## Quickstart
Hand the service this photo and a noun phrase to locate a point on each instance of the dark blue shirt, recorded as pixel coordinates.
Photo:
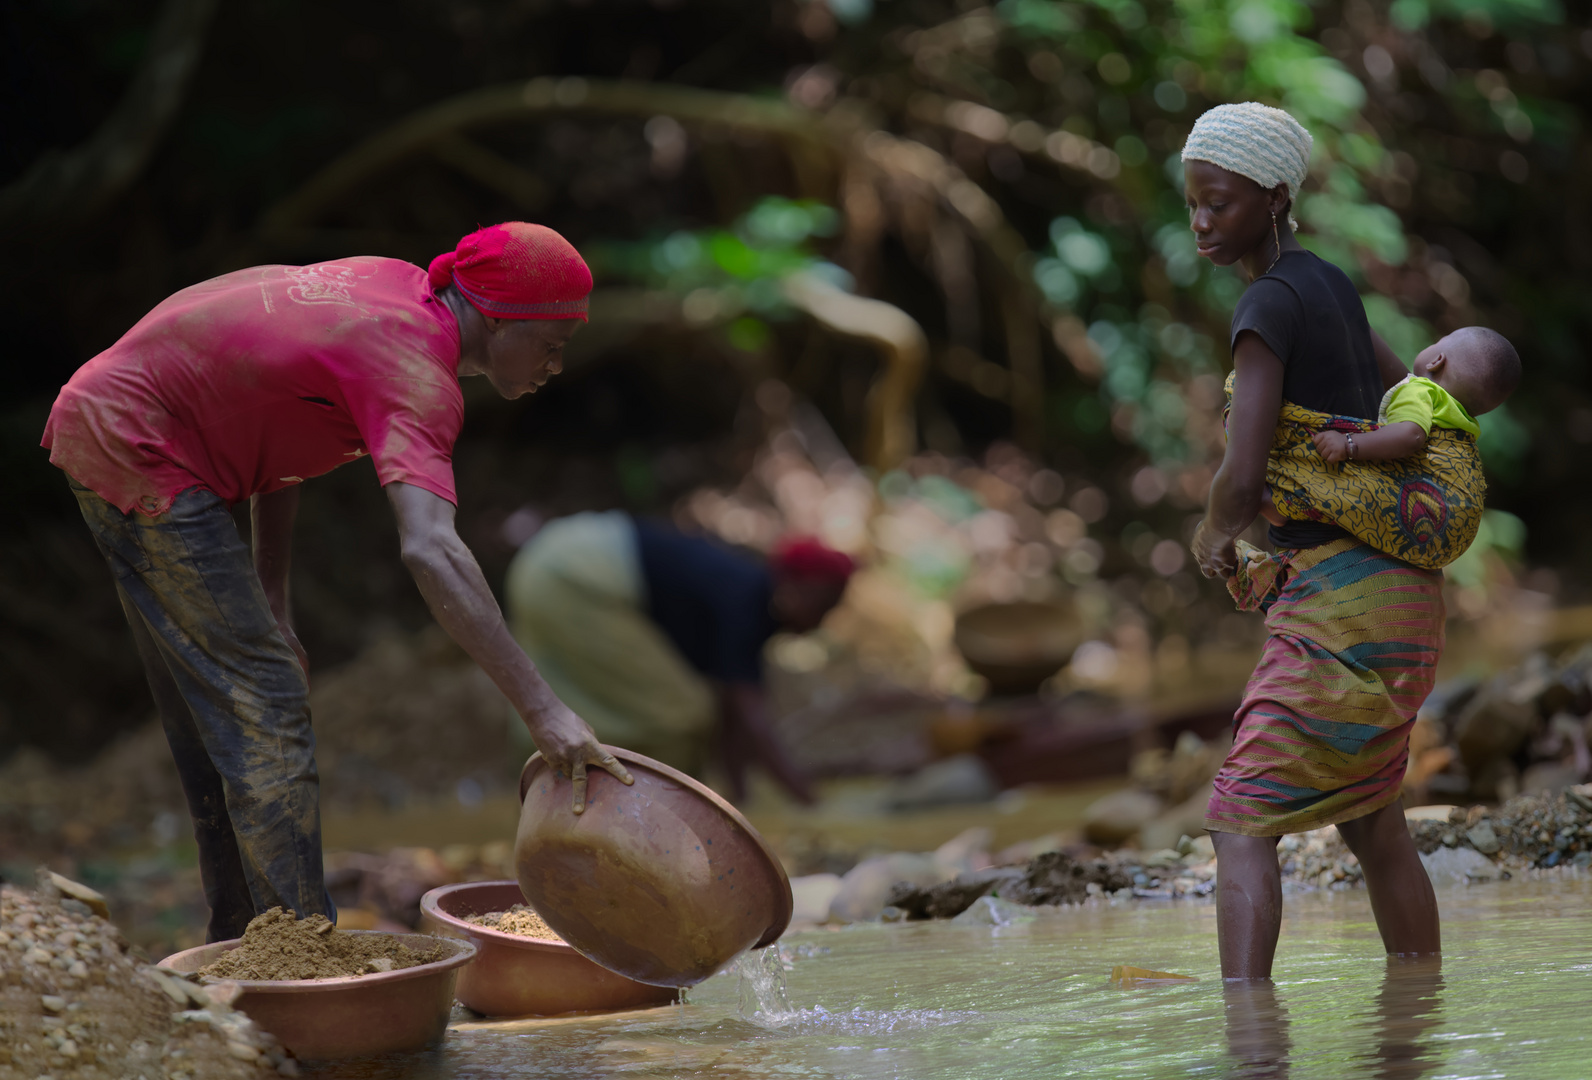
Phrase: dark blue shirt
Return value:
(710, 600)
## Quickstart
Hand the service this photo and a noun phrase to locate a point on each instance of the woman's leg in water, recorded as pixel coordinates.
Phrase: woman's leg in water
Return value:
(1401, 894)
(1248, 903)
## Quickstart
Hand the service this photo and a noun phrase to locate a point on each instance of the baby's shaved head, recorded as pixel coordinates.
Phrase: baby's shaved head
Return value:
(1492, 366)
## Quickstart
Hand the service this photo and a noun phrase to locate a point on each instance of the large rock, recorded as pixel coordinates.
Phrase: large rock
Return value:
(1057, 878)
(1483, 839)
(950, 898)
(1187, 818)
(1571, 689)
(866, 887)
(1503, 715)
(967, 850)
(1548, 777)
(812, 895)
(956, 780)
(1118, 817)
(1457, 865)
(1449, 697)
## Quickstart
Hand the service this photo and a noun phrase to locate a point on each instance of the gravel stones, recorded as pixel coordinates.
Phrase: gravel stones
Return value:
(1528, 834)
(1318, 859)
(1546, 830)
(1483, 839)
(74, 1004)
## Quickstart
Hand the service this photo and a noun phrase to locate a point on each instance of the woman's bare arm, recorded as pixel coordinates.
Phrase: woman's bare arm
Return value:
(1236, 491)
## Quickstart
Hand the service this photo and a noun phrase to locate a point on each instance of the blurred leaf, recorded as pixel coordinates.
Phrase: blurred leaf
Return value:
(1500, 534)
(1406, 336)
(1504, 443)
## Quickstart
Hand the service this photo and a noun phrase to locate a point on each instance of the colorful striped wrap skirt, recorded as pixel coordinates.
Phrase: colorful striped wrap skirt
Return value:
(1322, 736)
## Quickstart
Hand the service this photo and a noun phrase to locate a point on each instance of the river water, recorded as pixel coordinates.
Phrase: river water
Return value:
(1511, 997)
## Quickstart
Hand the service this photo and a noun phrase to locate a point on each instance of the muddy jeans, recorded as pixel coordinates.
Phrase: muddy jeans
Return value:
(232, 699)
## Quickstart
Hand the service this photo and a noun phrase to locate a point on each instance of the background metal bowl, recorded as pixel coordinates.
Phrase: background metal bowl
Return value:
(325, 1019)
(663, 882)
(1019, 645)
(520, 976)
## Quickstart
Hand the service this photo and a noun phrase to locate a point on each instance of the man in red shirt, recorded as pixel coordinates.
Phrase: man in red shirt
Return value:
(242, 387)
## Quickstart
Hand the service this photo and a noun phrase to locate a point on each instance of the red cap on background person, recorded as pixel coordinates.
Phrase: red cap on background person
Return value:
(808, 557)
(809, 579)
(517, 270)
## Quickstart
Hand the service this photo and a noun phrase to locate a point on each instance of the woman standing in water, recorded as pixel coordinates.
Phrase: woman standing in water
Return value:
(1353, 634)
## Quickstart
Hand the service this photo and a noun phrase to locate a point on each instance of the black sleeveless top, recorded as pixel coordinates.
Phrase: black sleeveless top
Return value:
(1310, 314)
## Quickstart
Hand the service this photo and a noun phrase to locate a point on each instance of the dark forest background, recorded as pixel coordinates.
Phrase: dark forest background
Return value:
(147, 145)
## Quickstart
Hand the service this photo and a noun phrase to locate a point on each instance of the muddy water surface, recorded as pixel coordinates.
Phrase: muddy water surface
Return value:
(1512, 997)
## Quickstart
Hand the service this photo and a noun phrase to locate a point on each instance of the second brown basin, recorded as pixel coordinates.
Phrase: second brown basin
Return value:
(520, 976)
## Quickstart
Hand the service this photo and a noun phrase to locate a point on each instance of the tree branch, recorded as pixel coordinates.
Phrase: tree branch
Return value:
(66, 188)
(892, 431)
(445, 121)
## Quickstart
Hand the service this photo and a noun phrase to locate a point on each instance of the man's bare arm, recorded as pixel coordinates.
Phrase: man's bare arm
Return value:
(456, 591)
(271, 519)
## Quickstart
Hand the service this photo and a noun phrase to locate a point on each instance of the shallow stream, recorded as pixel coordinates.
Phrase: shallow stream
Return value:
(1512, 997)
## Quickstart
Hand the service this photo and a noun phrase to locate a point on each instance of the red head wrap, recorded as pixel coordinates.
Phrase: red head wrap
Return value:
(517, 271)
(806, 557)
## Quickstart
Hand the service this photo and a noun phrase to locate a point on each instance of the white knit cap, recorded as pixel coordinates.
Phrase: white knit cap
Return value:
(1254, 140)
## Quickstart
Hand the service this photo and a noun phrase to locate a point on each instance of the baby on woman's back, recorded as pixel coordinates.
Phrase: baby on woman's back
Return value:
(1467, 374)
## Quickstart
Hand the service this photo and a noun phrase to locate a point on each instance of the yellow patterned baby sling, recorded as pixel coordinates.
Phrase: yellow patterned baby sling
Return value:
(1424, 509)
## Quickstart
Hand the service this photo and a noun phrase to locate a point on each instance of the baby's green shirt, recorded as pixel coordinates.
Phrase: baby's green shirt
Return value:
(1423, 402)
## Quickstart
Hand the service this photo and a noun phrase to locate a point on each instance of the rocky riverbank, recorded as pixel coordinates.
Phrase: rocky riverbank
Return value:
(1529, 834)
(76, 1002)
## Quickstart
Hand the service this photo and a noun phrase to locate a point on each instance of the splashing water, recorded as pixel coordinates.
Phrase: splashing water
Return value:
(764, 999)
(761, 977)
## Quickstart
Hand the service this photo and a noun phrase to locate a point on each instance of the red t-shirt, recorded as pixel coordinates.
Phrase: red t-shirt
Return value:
(262, 378)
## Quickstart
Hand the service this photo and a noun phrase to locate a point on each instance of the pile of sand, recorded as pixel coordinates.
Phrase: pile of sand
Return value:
(74, 1004)
(518, 919)
(278, 946)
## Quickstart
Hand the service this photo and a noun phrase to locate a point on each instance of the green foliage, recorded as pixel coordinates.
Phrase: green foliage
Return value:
(1038, 18)
(1406, 336)
(770, 241)
(1501, 536)
(730, 277)
(1162, 63)
(1504, 443)
(1163, 59)
(1510, 14)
